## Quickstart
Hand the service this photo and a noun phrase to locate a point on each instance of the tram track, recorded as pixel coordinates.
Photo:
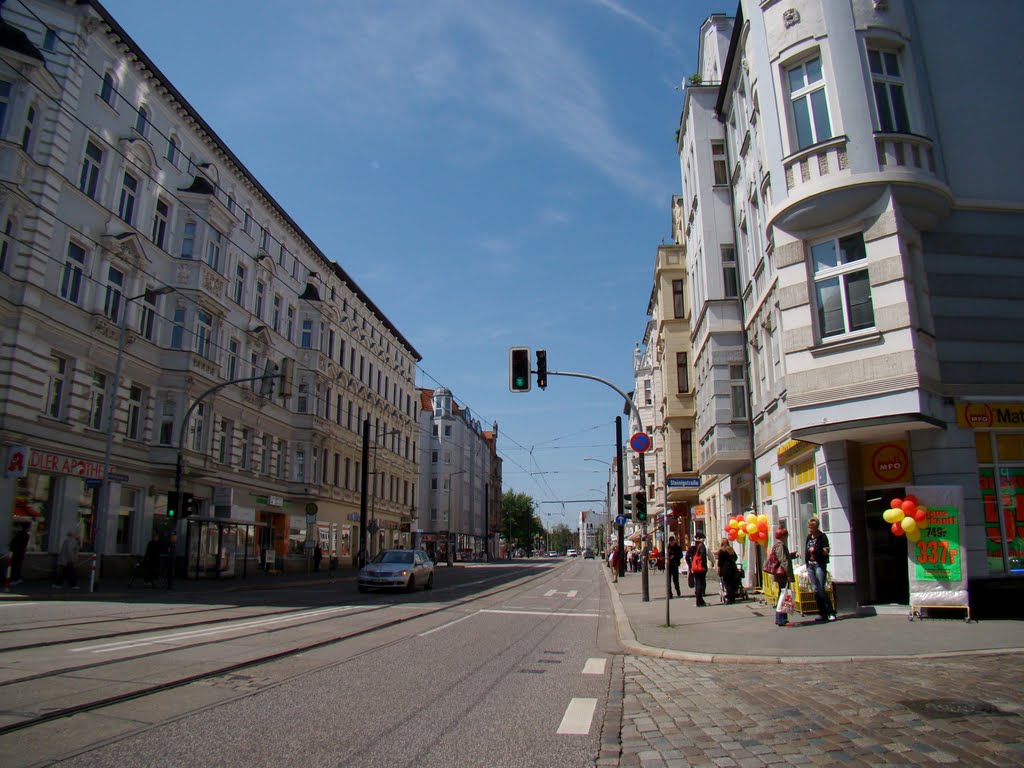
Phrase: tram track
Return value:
(227, 669)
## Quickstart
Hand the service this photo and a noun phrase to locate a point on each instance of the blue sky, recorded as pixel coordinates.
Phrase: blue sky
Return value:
(492, 174)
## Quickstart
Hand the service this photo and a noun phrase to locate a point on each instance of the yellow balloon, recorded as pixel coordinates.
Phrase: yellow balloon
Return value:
(914, 535)
(762, 518)
(908, 524)
(733, 524)
(741, 533)
(893, 515)
(751, 529)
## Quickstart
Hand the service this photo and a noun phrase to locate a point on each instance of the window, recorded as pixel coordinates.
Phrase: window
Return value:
(686, 449)
(112, 299)
(246, 439)
(54, 406)
(172, 150)
(239, 289)
(232, 367)
(159, 232)
(265, 239)
(302, 401)
(678, 302)
(306, 339)
(5, 243)
(188, 240)
(5, 100)
(141, 121)
(204, 333)
(26, 133)
(300, 464)
(89, 180)
(841, 285)
(261, 290)
(167, 423)
(133, 425)
(178, 328)
(447, 430)
(809, 103)
(224, 445)
(196, 428)
(719, 163)
(648, 392)
(265, 455)
(247, 223)
(126, 204)
(738, 391)
(890, 106)
(275, 313)
(50, 41)
(282, 451)
(107, 90)
(71, 276)
(289, 328)
(213, 250)
(682, 373)
(433, 457)
(730, 282)
(97, 399)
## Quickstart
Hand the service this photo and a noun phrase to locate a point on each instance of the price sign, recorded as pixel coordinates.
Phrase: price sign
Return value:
(937, 554)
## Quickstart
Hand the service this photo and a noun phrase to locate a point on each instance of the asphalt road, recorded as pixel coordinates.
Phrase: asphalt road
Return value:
(492, 674)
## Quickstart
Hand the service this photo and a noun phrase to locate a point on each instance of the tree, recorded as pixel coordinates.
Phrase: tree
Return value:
(519, 521)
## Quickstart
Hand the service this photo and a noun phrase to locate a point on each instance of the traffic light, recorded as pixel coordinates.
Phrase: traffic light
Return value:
(188, 504)
(641, 507)
(172, 504)
(519, 369)
(287, 377)
(627, 504)
(542, 368)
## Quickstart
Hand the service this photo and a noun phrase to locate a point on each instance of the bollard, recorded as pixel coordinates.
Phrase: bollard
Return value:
(92, 572)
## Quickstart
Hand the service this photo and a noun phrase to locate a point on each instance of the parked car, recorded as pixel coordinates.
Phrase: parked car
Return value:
(572, 553)
(397, 568)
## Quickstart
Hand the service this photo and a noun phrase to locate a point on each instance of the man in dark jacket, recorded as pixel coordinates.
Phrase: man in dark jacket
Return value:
(19, 544)
(697, 562)
(816, 551)
(675, 557)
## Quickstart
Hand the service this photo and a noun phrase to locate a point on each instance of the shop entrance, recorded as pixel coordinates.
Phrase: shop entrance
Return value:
(888, 581)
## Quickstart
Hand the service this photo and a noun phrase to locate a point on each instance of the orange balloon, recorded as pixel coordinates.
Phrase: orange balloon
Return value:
(908, 506)
(910, 497)
(897, 529)
(896, 503)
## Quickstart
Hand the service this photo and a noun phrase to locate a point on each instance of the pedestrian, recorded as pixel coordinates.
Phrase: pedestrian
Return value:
(697, 562)
(781, 551)
(675, 556)
(816, 550)
(318, 555)
(727, 571)
(613, 563)
(19, 544)
(151, 559)
(67, 561)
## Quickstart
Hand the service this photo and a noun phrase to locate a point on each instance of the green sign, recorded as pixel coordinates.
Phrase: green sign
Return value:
(937, 553)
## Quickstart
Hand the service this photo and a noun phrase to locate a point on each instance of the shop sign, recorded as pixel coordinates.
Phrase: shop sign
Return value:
(791, 449)
(989, 415)
(885, 463)
(42, 461)
(17, 461)
(353, 517)
(697, 512)
(684, 482)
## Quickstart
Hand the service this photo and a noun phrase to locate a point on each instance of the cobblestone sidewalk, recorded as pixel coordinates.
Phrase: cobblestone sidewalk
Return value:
(955, 711)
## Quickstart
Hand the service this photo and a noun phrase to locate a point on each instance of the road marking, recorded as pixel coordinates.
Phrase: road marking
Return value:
(553, 592)
(11, 602)
(542, 613)
(197, 633)
(445, 626)
(578, 716)
(594, 667)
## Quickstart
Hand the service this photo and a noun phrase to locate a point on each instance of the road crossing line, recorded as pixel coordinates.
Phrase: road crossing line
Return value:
(578, 717)
(552, 592)
(543, 613)
(594, 667)
(192, 634)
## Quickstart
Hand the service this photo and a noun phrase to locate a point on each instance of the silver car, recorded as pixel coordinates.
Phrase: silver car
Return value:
(402, 568)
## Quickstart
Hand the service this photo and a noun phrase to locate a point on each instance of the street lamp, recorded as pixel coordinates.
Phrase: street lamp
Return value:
(103, 508)
(451, 542)
(377, 438)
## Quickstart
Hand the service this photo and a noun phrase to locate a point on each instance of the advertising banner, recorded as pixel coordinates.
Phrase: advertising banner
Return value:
(938, 570)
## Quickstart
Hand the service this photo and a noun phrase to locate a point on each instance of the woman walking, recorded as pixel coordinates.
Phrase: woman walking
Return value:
(727, 571)
(785, 557)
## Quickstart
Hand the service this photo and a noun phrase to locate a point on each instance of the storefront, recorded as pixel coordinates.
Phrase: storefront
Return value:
(885, 473)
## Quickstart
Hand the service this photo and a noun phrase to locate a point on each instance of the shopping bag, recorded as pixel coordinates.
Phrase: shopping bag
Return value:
(697, 563)
(785, 604)
(773, 566)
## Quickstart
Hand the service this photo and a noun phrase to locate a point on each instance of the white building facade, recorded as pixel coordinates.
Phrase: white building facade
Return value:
(854, 250)
(129, 225)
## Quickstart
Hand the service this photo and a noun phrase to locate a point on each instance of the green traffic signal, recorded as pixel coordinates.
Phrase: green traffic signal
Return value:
(519, 369)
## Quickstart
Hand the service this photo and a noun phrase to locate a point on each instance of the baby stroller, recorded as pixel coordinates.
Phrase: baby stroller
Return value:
(741, 591)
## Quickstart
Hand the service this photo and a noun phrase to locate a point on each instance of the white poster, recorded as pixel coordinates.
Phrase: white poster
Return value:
(938, 568)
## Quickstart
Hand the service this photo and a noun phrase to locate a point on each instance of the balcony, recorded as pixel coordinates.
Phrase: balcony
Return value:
(823, 188)
(198, 276)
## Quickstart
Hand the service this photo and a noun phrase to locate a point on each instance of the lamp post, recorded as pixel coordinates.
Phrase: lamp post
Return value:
(377, 437)
(103, 508)
(451, 541)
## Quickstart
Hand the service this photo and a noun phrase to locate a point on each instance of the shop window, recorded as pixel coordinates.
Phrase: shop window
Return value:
(1002, 454)
(33, 508)
(803, 495)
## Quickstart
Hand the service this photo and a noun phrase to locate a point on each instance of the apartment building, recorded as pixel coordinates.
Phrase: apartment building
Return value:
(853, 236)
(143, 269)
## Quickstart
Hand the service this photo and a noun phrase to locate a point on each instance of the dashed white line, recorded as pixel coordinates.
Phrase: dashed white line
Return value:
(578, 717)
(445, 626)
(594, 667)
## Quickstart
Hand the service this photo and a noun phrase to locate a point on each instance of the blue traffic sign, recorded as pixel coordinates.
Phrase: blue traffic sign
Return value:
(640, 442)
(620, 519)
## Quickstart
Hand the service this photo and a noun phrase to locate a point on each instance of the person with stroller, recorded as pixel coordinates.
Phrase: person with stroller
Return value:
(728, 572)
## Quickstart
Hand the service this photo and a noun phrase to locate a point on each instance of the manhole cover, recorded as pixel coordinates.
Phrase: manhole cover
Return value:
(953, 707)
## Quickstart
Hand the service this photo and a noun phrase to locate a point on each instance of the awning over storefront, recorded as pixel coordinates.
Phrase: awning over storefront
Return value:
(890, 427)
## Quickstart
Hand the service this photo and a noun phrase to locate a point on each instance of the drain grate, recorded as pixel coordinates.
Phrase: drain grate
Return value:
(953, 707)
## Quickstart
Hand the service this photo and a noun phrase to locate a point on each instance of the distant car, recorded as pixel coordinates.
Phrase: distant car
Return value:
(397, 568)
(588, 554)
(572, 553)
(552, 553)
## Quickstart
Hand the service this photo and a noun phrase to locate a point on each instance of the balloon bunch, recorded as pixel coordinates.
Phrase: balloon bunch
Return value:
(906, 517)
(751, 526)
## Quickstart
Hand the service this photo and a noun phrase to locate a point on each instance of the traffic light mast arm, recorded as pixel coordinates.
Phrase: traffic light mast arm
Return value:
(627, 398)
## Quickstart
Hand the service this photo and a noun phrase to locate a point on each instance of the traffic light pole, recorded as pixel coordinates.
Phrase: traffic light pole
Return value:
(621, 501)
(180, 464)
